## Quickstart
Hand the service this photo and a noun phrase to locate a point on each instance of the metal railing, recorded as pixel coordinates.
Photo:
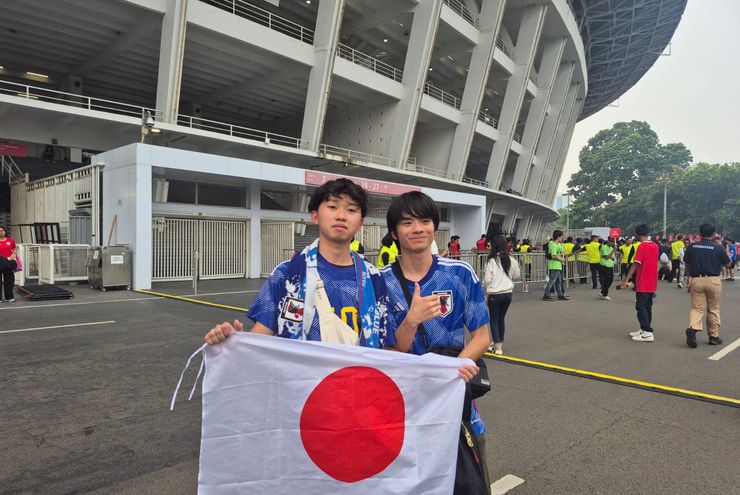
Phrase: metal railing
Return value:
(431, 171)
(8, 165)
(375, 65)
(73, 100)
(476, 182)
(264, 17)
(348, 155)
(488, 119)
(62, 263)
(241, 132)
(460, 9)
(442, 96)
(501, 45)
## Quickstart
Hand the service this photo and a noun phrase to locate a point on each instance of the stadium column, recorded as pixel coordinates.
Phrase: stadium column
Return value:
(171, 55)
(326, 36)
(255, 231)
(481, 61)
(551, 56)
(549, 128)
(542, 191)
(418, 56)
(530, 29)
(565, 144)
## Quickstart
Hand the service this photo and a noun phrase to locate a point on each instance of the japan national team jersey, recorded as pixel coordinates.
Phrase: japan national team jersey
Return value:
(340, 283)
(461, 296)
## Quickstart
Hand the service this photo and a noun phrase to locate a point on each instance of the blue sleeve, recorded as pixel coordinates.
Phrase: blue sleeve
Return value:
(264, 308)
(476, 311)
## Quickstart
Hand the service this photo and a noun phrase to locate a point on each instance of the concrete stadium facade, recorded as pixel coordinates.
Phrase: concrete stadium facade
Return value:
(477, 97)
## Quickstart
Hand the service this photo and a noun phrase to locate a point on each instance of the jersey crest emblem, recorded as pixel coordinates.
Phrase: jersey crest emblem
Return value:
(293, 309)
(445, 301)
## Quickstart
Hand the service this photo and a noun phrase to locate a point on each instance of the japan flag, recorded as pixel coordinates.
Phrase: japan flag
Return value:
(283, 416)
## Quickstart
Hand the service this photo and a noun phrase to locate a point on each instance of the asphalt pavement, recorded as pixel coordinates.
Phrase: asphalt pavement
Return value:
(86, 385)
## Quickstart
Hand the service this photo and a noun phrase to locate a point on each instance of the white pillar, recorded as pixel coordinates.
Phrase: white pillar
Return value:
(551, 57)
(530, 29)
(567, 116)
(418, 56)
(481, 62)
(255, 230)
(549, 128)
(326, 36)
(563, 153)
(171, 55)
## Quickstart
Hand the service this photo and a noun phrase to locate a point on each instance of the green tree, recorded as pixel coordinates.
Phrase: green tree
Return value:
(616, 162)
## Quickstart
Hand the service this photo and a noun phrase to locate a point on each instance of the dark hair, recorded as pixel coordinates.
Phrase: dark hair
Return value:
(642, 229)
(500, 251)
(594, 237)
(556, 234)
(337, 188)
(680, 237)
(413, 203)
(706, 229)
(569, 239)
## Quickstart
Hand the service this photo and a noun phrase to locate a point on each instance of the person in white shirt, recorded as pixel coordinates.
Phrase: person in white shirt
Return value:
(498, 281)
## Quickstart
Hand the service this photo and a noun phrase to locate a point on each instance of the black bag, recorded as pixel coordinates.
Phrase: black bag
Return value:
(479, 385)
(470, 478)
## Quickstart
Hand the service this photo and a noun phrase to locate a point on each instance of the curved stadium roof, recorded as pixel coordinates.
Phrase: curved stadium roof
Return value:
(622, 39)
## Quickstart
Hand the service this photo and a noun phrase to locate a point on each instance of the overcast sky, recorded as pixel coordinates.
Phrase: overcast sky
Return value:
(691, 96)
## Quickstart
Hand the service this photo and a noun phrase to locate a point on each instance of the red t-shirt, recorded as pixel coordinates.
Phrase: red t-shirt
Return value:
(646, 279)
(7, 247)
(481, 245)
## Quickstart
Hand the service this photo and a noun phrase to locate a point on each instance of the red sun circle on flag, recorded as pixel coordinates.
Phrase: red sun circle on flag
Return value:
(353, 422)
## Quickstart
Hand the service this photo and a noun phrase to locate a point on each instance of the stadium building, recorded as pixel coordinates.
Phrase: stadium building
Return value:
(178, 126)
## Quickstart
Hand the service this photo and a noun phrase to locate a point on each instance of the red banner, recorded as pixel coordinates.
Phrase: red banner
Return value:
(614, 232)
(11, 149)
(373, 186)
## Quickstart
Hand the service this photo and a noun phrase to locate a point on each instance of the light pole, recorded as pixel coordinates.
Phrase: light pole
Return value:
(664, 179)
(567, 214)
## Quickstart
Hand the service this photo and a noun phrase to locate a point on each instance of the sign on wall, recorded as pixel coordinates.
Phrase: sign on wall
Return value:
(315, 178)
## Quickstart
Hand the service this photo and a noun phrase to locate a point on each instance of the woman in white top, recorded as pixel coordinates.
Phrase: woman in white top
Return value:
(501, 271)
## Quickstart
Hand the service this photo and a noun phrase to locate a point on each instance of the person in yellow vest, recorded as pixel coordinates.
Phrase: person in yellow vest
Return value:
(525, 247)
(593, 250)
(631, 258)
(568, 247)
(357, 246)
(388, 251)
(677, 248)
(625, 249)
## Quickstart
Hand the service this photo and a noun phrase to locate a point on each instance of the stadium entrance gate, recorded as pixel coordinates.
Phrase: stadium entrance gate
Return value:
(278, 243)
(222, 247)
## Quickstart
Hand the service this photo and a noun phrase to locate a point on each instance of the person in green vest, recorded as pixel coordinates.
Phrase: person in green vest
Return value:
(555, 262)
(357, 246)
(388, 251)
(606, 268)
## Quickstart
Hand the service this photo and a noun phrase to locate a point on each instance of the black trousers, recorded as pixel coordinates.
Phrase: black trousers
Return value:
(625, 268)
(498, 305)
(644, 308)
(8, 278)
(606, 277)
(675, 265)
(594, 273)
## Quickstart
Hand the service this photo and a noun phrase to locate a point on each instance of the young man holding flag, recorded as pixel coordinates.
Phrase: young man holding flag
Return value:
(446, 295)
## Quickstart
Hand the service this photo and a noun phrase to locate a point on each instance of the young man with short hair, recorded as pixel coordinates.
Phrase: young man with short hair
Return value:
(625, 250)
(555, 261)
(677, 247)
(286, 303)
(446, 295)
(704, 261)
(645, 269)
(593, 250)
(606, 273)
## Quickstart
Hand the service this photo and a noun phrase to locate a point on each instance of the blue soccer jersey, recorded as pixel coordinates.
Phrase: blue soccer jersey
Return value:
(460, 293)
(463, 305)
(340, 283)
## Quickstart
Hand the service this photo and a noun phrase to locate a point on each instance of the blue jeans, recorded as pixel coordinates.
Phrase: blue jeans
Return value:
(555, 279)
(644, 307)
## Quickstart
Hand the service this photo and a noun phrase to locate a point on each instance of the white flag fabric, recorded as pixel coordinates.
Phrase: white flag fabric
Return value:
(283, 416)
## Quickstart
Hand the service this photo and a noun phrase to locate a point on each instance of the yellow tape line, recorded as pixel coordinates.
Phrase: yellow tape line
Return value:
(187, 299)
(616, 379)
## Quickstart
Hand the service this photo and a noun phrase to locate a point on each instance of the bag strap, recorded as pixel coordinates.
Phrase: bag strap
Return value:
(398, 272)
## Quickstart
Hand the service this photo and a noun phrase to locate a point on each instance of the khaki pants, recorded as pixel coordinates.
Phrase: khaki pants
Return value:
(705, 295)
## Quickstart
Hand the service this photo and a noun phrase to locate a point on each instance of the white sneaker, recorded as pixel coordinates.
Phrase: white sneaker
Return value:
(498, 348)
(11, 300)
(680, 285)
(644, 337)
(635, 334)
(606, 298)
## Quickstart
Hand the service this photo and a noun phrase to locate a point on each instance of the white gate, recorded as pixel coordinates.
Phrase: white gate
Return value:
(277, 244)
(370, 236)
(223, 249)
(221, 244)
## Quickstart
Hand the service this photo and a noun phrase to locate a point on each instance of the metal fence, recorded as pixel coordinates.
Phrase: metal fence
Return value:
(61, 263)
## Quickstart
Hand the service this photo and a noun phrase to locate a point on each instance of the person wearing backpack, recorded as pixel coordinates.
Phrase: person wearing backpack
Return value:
(498, 280)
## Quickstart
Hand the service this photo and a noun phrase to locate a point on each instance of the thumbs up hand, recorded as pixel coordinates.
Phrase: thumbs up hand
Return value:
(423, 308)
